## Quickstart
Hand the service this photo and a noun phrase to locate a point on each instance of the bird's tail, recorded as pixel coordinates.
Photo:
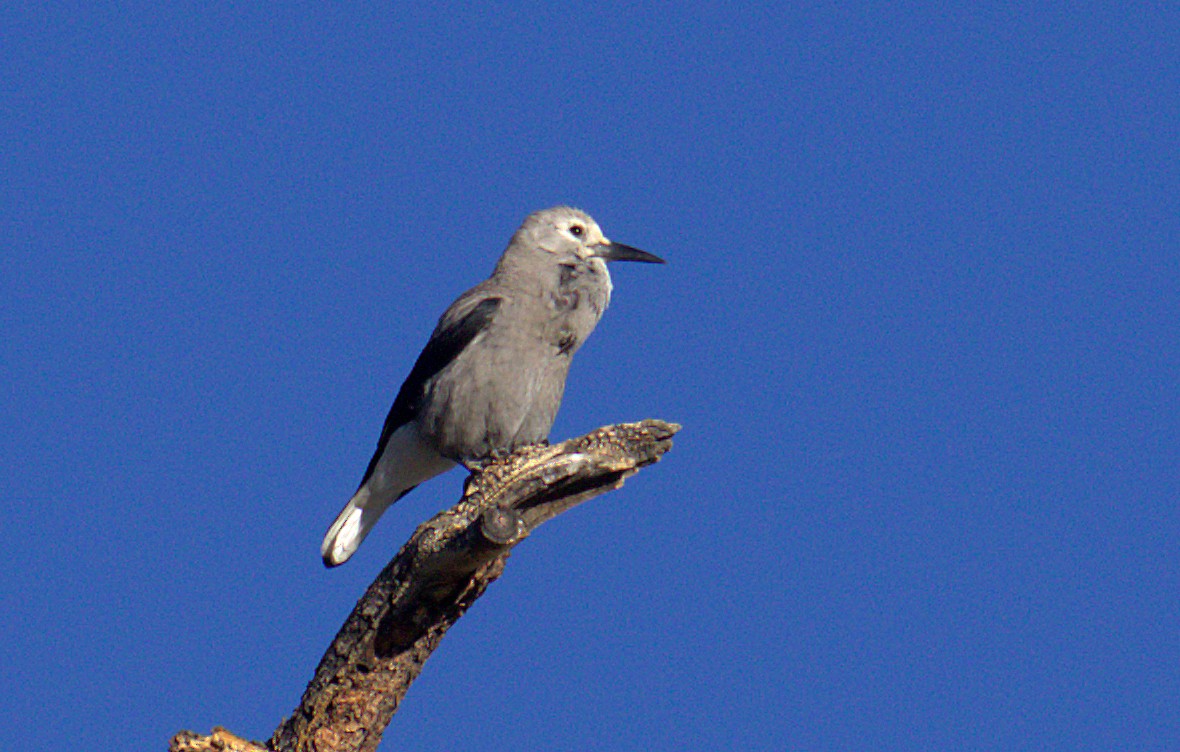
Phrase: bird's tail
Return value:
(354, 522)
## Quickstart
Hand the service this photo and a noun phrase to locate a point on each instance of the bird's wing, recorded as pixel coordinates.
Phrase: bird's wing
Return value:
(458, 327)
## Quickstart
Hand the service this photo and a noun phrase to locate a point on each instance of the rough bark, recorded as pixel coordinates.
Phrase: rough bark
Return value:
(445, 566)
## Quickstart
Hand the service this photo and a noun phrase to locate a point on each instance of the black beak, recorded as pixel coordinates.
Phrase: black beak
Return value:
(620, 252)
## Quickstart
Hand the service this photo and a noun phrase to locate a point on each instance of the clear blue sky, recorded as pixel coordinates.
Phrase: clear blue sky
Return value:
(920, 320)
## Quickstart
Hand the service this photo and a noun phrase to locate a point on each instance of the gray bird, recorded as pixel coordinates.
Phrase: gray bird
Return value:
(492, 375)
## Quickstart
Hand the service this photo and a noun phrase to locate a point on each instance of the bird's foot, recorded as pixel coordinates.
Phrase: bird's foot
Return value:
(479, 464)
(476, 466)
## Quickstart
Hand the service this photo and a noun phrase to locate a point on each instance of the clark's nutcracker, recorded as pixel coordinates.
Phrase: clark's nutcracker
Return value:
(491, 377)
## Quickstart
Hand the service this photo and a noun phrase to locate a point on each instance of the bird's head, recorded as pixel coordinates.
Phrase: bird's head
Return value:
(569, 233)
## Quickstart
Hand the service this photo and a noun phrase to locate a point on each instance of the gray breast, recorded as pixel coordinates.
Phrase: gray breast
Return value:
(577, 303)
(504, 390)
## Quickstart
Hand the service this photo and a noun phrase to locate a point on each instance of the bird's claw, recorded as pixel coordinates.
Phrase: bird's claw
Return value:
(493, 456)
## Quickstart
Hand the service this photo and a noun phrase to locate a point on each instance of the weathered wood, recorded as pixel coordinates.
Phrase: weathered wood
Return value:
(446, 565)
(220, 741)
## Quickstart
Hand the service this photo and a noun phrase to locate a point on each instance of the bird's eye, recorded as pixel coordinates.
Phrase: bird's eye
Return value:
(577, 230)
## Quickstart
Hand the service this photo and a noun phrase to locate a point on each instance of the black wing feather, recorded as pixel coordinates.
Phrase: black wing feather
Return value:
(444, 346)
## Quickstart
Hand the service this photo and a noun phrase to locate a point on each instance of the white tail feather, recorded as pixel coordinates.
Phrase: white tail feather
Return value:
(354, 522)
(405, 462)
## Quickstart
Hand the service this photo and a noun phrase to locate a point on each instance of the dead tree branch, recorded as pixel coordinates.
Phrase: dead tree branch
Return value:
(445, 566)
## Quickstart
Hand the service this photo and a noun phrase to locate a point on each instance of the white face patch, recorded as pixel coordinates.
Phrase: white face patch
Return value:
(590, 233)
(564, 230)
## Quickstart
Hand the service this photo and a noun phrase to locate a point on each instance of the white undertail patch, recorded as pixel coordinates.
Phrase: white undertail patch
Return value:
(405, 462)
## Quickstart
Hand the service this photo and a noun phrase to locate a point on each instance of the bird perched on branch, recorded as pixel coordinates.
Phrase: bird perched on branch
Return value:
(492, 375)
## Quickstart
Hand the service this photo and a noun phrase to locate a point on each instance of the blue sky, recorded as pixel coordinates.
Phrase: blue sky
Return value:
(919, 321)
